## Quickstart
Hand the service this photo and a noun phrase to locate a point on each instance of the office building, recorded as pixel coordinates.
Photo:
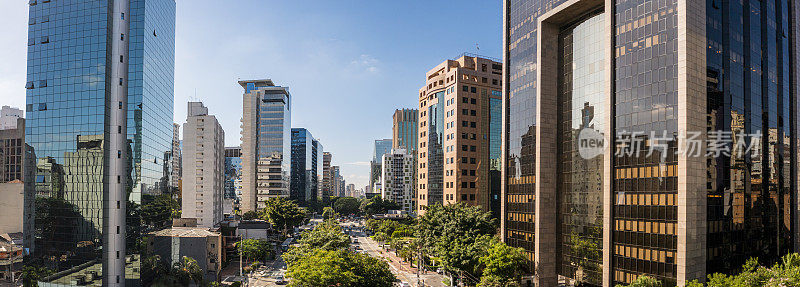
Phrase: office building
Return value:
(306, 167)
(99, 109)
(456, 108)
(327, 179)
(649, 75)
(175, 156)
(233, 172)
(266, 143)
(350, 190)
(397, 179)
(337, 182)
(13, 156)
(404, 130)
(204, 160)
(381, 147)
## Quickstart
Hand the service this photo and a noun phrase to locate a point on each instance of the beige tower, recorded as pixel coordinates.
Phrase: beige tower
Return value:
(204, 160)
(454, 133)
(266, 140)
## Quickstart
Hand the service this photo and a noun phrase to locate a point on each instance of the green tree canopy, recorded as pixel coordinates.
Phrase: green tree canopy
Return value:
(283, 214)
(340, 268)
(326, 236)
(644, 281)
(250, 215)
(456, 234)
(159, 212)
(347, 205)
(328, 213)
(255, 249)
(376, 205)
(501, 262)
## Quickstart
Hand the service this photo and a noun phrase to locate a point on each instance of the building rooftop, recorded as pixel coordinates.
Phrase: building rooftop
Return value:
(185, 232)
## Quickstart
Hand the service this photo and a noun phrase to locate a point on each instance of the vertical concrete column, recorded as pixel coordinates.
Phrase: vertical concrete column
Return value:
(546, 155)
(115, 199)
(608, 152)
(692, 199)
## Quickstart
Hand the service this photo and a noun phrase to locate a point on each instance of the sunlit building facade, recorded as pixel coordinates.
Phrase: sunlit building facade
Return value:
(99, 96)
(586, 82)
(266, 143)
(456, 135)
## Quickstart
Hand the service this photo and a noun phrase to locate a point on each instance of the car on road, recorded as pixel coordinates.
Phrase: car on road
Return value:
(404, 284)
(280, 280)
(355, 240)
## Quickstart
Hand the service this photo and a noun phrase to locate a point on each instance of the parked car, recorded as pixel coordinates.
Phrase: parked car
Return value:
(404, 284)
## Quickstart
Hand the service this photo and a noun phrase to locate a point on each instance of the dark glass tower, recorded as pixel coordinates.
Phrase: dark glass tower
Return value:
(99, 101)
(705, 90)
(306, 167)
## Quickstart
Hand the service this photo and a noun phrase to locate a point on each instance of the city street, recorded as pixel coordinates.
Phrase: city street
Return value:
(402, 270)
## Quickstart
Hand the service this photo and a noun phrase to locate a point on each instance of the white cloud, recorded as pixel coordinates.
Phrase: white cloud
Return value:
(365, 63)
(358, 163)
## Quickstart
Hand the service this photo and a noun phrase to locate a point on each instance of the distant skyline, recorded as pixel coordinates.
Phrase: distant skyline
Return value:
(348, 64)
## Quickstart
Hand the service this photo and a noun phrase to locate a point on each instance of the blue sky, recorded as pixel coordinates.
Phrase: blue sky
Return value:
(348, 64)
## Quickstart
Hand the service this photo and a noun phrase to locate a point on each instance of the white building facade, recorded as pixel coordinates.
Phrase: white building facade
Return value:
(204, 165)
(397, 173)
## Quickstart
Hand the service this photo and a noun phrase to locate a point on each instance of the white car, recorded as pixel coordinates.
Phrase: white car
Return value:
(404, 284)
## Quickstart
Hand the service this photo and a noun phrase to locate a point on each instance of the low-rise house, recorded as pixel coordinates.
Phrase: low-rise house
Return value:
(202, 245)
(11, 254)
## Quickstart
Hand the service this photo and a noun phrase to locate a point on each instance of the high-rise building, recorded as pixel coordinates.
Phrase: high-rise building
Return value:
(351, 190)
(456, 108)
(99, 102)
(337, 181)
(649, 138)
(12, 169)
(12, 144)
(175, 156)
(397, 179)
(381, 147)
(233, 172)
(327, 179)
(204, 160)
(404, 130)
(306, 167)
(266, 143)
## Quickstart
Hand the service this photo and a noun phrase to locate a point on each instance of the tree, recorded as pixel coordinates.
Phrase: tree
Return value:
(643, 281)
(250, 215)
(347, 205)
(502, 263)
(328, 213)
(456, 235)
(340, 268)
(283, 214)
(255, 249)
(159, 211)
(31, 274)
(376, 205)
(326, 236)
(187, 271)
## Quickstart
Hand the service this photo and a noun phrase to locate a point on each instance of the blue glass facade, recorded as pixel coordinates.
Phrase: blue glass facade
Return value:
(68, 82)
(306, 167)
(233, 172)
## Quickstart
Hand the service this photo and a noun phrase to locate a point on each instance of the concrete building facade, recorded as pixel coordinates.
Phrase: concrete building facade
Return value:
(327, 179)
(204, 161)
(266, 143)
(455, 112)
(677, 79)
(197, 243)
(397, 179)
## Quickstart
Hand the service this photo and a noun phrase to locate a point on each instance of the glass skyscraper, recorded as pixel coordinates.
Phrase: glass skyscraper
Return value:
(306, 167)
(588, 83)
(266, 143)
(73, 103)
(381, 147)
(233, 172)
